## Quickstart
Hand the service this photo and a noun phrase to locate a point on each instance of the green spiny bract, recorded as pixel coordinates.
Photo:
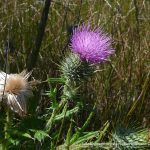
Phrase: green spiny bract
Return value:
(73, 69)
(70, 90)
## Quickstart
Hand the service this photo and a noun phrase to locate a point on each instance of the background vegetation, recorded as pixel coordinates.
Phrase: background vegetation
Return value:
(120, 87)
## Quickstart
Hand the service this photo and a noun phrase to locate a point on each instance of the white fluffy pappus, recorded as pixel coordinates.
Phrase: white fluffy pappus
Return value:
(14, 91)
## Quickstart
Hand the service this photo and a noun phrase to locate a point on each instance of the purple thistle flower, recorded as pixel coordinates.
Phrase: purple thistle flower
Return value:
(94, 46)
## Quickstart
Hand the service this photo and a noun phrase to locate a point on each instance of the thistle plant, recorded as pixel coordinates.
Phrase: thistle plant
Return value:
(89, 47)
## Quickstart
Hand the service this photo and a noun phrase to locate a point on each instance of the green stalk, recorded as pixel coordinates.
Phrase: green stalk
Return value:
(54, 113)
(8, 118)
(7, 123)
(56, 110)
(60, 130)
(6, 129)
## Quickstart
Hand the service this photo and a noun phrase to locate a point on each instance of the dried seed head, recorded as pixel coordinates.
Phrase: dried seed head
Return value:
(15, 84)
(16, 91)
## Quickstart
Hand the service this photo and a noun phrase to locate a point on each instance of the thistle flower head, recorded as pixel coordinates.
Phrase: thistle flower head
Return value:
(93, 46)
(14, 90)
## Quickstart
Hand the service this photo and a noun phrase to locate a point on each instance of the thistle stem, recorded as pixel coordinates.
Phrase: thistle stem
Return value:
(7, 123)
(62, 103)
(54, 113)
(6, 129)
(65, 110)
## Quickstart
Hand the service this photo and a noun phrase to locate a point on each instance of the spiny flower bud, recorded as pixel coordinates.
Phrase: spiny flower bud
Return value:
(74, 69)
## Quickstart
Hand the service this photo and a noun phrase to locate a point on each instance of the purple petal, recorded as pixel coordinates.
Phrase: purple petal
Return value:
(93, 46)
